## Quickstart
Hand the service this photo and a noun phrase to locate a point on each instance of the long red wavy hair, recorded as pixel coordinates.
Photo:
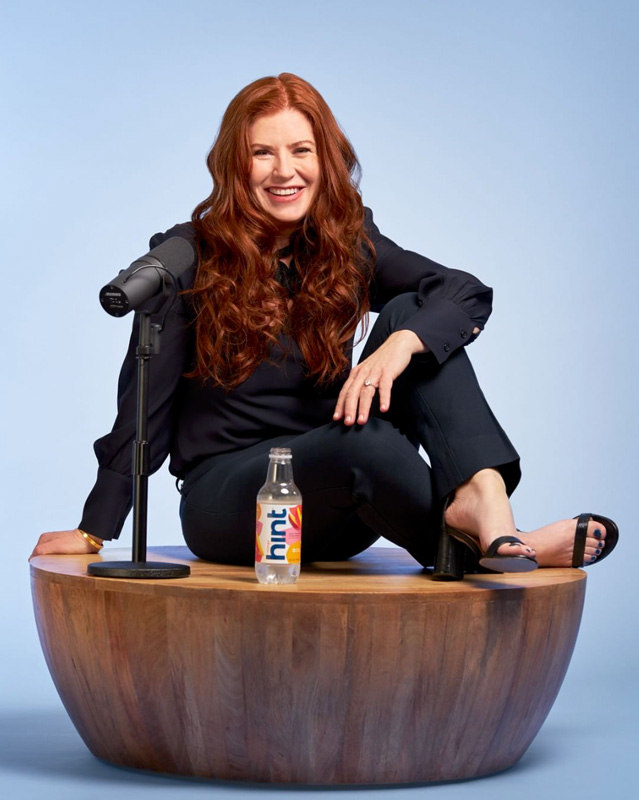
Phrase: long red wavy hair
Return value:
(240, 305)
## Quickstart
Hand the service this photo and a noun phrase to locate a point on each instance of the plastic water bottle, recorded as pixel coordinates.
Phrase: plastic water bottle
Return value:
(278, 527)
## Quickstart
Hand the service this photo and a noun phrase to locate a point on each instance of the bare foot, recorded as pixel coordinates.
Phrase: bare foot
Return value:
(481, 508)
(555, 542)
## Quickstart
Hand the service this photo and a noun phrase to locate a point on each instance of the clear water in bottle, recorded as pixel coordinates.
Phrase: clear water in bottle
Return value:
(278, 529)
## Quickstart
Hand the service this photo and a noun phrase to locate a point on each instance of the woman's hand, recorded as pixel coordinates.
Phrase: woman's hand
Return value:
(63, 542)
(378, 371)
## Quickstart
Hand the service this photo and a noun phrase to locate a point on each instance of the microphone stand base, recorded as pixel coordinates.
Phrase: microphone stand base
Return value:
(138, 569)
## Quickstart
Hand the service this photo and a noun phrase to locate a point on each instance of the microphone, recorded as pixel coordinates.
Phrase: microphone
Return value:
(147, 276)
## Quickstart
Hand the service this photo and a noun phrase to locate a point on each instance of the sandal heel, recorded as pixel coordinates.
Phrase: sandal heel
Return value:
(449, 564)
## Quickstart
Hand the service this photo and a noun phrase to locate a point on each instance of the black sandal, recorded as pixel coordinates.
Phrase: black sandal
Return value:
(449, 564)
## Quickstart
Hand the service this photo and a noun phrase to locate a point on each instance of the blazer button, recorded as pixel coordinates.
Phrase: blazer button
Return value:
(446, 347)
(463, 334)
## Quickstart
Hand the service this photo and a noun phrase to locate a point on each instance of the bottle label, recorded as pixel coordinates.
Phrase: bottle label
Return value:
(278, 533)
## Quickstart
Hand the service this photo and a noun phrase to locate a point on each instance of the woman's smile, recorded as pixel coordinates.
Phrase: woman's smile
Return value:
(288, 195)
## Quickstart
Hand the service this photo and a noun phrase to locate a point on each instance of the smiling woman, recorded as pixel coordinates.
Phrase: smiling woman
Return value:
(284, 176)
(257, 354)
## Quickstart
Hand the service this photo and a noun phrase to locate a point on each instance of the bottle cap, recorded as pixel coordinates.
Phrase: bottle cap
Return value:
(280, 452)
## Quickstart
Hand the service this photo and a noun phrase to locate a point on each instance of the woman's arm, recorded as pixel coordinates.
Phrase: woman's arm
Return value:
(109, 502)
(453, 303)
(454, 307)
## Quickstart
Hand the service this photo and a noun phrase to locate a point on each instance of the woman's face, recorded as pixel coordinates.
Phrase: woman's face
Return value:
(284, 167)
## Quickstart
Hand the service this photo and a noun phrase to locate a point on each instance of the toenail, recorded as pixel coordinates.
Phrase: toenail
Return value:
(593, 558)
(597, 533)
(598, 551)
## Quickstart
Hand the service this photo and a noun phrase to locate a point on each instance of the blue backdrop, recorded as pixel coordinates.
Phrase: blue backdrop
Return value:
(497, 136)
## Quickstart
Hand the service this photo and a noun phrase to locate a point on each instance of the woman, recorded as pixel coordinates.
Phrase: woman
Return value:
(256, 354)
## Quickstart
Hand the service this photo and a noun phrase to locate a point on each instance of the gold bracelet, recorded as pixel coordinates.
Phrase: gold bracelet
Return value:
(91, 541)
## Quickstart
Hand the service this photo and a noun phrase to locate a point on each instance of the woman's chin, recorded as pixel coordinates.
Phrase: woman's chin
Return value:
(286, 222)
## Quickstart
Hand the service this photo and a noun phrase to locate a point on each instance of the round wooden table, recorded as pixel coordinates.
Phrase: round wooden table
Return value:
(365, 671)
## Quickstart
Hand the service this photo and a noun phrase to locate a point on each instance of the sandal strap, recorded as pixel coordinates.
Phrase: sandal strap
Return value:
(580, 540)
(491, 550)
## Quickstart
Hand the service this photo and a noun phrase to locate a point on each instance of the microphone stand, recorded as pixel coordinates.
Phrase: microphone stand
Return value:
(139, 567)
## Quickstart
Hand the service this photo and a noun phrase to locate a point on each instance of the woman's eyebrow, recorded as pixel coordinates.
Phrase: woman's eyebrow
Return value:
(295, 144)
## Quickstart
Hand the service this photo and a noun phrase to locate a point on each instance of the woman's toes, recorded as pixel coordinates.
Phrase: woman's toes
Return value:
(593, 550)
(597, 531)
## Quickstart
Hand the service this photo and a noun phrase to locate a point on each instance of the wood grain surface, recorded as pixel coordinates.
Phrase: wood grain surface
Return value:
(364, 672)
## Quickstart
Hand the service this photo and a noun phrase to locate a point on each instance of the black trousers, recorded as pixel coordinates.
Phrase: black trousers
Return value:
(365, 481)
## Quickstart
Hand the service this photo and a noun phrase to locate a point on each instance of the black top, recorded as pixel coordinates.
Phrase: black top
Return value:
(192, 421)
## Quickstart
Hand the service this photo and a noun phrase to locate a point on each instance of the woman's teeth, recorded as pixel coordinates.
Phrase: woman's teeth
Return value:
(283, 192)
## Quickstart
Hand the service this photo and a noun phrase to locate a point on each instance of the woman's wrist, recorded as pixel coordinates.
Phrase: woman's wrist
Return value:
(94, 541)
(411, 341)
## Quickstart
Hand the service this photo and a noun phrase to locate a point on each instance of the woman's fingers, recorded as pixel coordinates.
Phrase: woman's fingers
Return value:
(344, 405)
(353, 393)
(385, 386)
(366, 396)
(357, 396)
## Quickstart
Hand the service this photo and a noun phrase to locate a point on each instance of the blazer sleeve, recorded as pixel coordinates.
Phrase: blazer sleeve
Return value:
(452, 302)
(110, 500)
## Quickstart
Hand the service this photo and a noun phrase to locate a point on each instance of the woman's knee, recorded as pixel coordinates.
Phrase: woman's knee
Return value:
(394, 314)
(398, 310)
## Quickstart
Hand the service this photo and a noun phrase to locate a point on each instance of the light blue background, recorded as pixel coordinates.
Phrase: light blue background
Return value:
(498, 137)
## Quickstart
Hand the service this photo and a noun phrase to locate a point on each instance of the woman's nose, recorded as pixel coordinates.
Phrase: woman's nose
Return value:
(283, 167)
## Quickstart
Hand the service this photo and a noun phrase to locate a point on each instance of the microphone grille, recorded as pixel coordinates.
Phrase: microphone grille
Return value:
(177, 254)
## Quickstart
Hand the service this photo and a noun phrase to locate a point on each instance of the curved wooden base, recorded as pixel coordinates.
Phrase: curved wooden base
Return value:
(365, 671)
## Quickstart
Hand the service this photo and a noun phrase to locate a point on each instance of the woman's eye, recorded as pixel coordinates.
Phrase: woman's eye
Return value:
(260, 153)
(302, 149)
